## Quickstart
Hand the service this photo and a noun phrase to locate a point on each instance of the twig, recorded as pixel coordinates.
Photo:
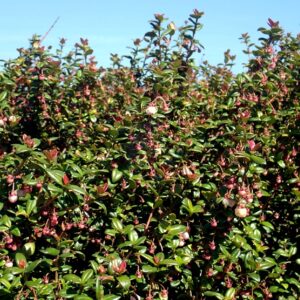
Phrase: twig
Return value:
(149, 220)
(45, 35)
(34, 293)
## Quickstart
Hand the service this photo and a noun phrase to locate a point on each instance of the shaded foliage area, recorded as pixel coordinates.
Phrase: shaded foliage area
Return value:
(158, 180)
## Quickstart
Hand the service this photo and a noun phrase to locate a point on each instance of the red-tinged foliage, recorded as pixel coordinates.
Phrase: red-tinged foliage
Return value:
(157, 179)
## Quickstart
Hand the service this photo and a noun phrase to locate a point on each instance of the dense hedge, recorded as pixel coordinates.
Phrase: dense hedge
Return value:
(157, 179)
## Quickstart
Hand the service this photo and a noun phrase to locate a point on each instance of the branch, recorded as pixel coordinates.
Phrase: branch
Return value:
(45, 35)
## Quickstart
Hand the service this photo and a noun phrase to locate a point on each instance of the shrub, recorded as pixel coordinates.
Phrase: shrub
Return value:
(161, 179)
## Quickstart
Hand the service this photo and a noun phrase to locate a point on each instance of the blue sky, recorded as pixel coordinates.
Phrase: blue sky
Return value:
(112, 25)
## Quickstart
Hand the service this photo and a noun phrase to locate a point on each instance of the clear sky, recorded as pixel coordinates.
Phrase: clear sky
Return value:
(112, 25)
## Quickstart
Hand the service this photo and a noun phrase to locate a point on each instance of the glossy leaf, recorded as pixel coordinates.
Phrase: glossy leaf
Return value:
(124, 281)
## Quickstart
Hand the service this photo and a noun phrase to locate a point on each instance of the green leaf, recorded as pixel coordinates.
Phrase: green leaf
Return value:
(133, 236)
(149, 269)
(209, 186)
(266, 264)
(128, 229)
(169, 262)
(33, 265)
(20, 258)
(15, 231)
(172, 152)
(282, 252)
(76, 189)
(22, 212)
(140, 240)
(82, 297)
(198, 209)
(176, 229)
(86, 275)
(267, 224)
(256, 235)
(281, 163)
(5, 220)
(54, 189)
(37, 142)
(50, 251)
(29, 248)
(254, 276)
(241, 242)
(214, 294)
(3, 95)
(8, 82)
(67, 294)
(99, 290)
(236, 254)
(111, 297)
(15, 270)
(73, 278)
(224, 251)
(249, 261)
(125, 244)
(21, 148)
(5, 282)
(294, 281)
(188, 205)
(56, 175)
(258, 160)
(230, 293)
(147, 256)
(111, 232)
(124, 281)
(116, 175)
(30, 206)
(175, 283)
(292, 251)
(117, 224)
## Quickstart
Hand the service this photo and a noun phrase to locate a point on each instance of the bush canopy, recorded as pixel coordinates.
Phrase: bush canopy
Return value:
(157, 178)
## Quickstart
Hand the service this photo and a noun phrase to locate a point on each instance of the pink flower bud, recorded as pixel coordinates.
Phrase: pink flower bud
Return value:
(212, 245)
(2, 122)
(251, 145)
(213, 222)
(13, 197)
(10, 179)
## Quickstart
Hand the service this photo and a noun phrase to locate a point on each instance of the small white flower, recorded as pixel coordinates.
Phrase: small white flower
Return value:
(9, 264)
(12, 119)
(185, 235)
(181, 243)
(241, 211)
(151, 110)
(172, 26)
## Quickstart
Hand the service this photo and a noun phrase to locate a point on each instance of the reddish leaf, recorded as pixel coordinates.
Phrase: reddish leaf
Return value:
(66, 179)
